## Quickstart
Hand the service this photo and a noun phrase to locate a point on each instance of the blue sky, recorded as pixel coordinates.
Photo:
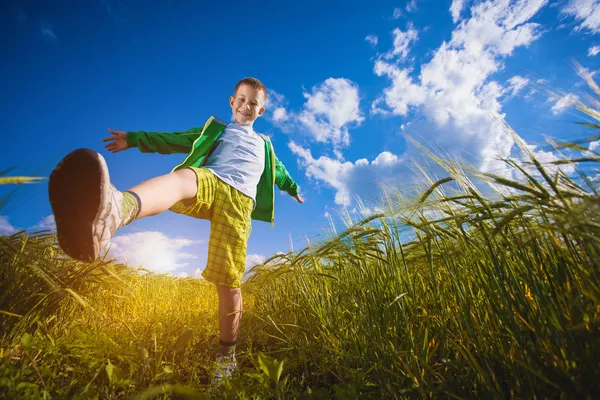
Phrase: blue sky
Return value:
(346, 81)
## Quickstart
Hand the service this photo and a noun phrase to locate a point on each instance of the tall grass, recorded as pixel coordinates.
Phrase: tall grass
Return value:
(453, 293)
(450, 294)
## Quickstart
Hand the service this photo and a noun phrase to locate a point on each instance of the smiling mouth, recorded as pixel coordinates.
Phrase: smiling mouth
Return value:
(245, 115)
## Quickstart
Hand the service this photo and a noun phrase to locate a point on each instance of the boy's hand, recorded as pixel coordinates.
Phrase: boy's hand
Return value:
(117, 142)
(299, 199)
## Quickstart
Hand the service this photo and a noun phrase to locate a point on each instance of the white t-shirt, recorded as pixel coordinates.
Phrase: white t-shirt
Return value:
(239, 159)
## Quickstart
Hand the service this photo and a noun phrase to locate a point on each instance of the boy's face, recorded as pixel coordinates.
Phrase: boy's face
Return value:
(247, 104)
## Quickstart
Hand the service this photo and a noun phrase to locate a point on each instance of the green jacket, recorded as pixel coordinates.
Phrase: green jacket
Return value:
(199, 144)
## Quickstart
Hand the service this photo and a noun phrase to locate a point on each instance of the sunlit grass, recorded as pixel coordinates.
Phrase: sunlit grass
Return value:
(454, 293)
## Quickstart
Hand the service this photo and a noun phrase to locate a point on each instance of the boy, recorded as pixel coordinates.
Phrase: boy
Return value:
(227, 177)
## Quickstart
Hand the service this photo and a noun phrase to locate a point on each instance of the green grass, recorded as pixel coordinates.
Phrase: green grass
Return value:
(449, 294)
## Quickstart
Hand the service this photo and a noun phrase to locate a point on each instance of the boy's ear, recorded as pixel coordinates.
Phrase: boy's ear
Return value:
(231, 100)
(261, 111)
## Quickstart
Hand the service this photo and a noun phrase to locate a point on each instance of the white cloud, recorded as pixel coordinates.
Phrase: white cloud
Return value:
(586, 13)
(275, 109)
(348, 179)
(6, 227)
(453, 90)
(280, 114)
(253, 259)
(46, 223)
(546, 158)
(397, 13)
(402, 42)
(47, 31)
(455, 9)
(563, 103)
(154, 250)
(373, 39)
(197, 274)
(516, 84)
(593, 51)
(411, 6)
(402, 92)
(593, 149)
(330, 109)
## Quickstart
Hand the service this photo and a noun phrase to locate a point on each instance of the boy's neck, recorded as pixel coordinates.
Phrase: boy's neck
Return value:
(248, 125)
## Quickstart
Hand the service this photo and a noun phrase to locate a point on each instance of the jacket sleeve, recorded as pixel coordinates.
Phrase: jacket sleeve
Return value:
(283, 179)
(163, 142)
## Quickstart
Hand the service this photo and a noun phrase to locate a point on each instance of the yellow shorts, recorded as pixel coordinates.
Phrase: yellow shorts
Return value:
(229, 212)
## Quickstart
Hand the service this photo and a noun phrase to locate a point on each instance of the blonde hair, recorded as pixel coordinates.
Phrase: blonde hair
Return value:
(255, 83)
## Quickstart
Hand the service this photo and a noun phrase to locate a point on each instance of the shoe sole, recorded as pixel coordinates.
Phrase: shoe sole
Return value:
(77, 189)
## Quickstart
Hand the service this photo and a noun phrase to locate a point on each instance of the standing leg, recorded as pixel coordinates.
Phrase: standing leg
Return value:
(230, 313)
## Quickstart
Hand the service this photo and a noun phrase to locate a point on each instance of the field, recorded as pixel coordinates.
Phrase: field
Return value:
(452, 293)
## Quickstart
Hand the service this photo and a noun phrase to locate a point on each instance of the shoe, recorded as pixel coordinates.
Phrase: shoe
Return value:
(86, 206)
(224, 368)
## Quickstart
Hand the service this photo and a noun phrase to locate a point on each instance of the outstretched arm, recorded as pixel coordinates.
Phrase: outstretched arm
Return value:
(116, 142)
(152, 142)
(285, 182)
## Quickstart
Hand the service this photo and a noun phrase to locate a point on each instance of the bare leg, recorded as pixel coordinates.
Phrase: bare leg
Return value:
(230, 315)
(160, 193)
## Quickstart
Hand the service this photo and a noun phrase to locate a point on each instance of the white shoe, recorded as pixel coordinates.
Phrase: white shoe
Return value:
(86, 206)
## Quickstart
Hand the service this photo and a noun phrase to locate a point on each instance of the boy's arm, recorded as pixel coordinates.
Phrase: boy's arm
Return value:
(163, 142)
(285, 182)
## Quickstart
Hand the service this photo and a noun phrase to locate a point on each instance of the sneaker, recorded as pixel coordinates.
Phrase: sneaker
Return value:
(86, 206)
(224, 368)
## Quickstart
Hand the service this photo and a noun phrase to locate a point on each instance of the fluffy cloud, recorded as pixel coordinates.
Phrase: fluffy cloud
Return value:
(373, 39)
(6, 227)
(154, 250)
(253, 259)
(453, 89)
(546, 158)
(586, 13)
(411, 6)
(455, 9)
(46, 223)
(402, 42)
(397, 13)
(592, 51)
(516, 84)
(593, 149)
(275, 109)
(563, 103)
(280, 114)
(362, 178)
(197, 274)
(331, 108)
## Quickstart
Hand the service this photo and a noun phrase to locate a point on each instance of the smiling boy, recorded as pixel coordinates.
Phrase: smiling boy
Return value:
(227, 177)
